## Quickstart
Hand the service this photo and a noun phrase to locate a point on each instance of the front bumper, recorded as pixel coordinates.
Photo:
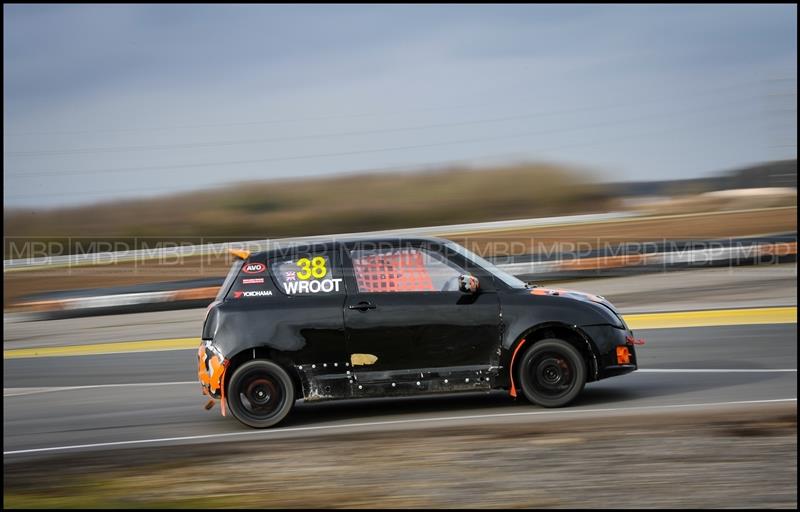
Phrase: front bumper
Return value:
(616, 352)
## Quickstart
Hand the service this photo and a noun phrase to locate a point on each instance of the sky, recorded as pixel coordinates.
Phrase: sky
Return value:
(104, 102)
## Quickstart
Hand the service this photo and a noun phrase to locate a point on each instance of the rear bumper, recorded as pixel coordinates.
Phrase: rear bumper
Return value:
(211, 366)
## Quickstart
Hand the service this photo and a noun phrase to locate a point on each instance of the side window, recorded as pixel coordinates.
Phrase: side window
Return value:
(307, 274)
(403, 270)
(249, 282)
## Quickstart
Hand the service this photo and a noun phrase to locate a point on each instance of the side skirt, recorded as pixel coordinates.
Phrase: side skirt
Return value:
(319, 383)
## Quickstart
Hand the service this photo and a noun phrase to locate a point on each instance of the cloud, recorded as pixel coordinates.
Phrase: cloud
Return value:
(86, 76)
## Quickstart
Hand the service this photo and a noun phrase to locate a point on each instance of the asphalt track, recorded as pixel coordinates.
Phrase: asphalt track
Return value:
(96, 401)
(78, 403)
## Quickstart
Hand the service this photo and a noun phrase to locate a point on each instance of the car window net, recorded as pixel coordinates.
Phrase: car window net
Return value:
(396, 271)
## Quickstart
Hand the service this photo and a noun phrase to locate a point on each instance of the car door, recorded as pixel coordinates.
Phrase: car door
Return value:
(306, 319)
(409, 328)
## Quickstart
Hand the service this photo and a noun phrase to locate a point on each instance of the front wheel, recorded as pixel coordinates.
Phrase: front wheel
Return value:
(260, 393)
(552, 373)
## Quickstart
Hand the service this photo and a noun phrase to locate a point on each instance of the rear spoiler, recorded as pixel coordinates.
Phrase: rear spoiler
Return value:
(242, 254)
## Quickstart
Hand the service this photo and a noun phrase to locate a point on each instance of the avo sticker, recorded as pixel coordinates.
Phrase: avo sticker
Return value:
(254, 268)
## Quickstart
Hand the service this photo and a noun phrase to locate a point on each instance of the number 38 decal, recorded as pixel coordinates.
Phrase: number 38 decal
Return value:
(314, 267)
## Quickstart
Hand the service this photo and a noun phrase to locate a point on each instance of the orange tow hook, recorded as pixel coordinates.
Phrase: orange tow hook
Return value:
(630, 340)
(209, 404)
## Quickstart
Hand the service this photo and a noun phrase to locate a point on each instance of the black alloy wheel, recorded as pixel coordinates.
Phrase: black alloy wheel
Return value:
(552, 373)
(260, 393)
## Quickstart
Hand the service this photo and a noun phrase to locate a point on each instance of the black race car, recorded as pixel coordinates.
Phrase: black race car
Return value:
(353, 318)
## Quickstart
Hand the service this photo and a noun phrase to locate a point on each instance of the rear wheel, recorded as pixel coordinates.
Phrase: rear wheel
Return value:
(260, 393)
(552, 373)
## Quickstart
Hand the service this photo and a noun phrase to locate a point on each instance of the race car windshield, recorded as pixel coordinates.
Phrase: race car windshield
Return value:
(507, 278)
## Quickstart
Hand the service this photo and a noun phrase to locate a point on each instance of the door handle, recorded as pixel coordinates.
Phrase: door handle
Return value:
(362, 306)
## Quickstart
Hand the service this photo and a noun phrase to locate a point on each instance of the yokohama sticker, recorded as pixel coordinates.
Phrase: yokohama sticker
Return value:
(253, 280)
(257, 293)
(254, 268)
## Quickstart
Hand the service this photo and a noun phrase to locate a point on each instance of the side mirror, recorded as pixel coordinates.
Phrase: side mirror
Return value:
(468, 283)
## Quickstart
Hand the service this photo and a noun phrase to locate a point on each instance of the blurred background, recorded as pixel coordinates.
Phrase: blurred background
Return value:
(134, 127)
(648, 153)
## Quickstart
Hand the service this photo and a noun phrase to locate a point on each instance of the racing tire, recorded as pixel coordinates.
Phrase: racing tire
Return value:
(260, 393)
(552, 373)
